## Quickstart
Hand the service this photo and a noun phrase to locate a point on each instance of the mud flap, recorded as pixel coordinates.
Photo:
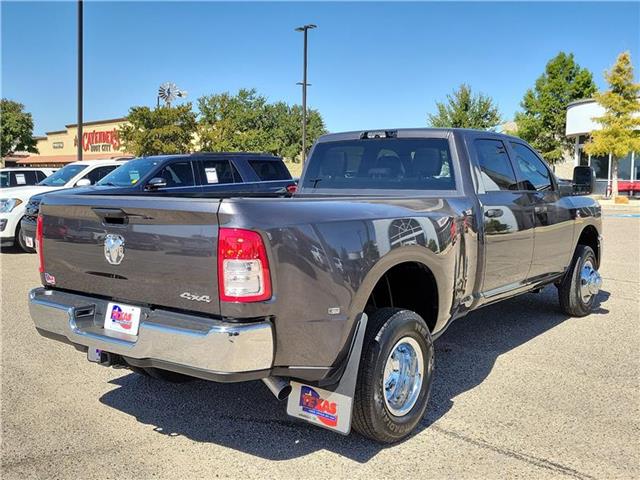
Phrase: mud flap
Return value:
(330, 408)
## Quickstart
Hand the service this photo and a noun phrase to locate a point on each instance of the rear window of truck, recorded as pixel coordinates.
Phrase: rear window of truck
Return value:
(382, 164)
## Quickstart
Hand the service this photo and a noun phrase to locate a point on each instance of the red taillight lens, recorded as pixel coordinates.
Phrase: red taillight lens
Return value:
(243, 268)
(39, 243)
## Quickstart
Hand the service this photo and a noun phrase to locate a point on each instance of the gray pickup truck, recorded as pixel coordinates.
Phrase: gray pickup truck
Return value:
(332, 297)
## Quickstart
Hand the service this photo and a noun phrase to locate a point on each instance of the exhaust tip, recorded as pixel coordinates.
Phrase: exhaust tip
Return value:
(284, 393)
(280, 387)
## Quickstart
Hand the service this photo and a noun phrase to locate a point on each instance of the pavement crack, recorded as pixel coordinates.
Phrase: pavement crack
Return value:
(530, 459)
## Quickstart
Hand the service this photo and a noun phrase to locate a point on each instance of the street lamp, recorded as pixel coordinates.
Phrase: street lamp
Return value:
(304, 29)
(80, 68)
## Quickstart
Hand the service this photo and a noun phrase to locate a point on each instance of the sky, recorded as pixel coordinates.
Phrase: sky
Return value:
(371, 65)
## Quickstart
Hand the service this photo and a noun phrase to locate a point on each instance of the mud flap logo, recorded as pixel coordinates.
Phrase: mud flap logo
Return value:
(321, 407)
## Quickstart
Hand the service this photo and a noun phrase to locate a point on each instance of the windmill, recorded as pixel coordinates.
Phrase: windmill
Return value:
(168, 92)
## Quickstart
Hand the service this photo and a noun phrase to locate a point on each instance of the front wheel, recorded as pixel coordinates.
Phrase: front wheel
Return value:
(395, 376)
(581, 283)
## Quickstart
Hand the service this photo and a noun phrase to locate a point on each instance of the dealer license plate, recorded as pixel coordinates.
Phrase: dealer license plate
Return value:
(122, 318)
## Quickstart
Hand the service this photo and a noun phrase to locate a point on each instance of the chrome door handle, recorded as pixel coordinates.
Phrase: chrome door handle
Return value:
(493, 213)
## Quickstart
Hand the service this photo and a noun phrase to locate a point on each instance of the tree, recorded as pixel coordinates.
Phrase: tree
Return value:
(246, 121)
(542, 123)
(163, 130)
(620, 133)
(288, 128)
(463, 109)
(16, 127)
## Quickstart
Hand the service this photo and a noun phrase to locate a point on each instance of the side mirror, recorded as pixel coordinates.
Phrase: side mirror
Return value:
(584, 180)
(155, 183)
(83, 182)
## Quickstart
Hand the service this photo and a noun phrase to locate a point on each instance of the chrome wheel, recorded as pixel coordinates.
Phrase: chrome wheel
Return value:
(403, 376)
(590, 281)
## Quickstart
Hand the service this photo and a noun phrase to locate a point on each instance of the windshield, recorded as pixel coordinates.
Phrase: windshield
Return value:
(386, 164)
(62, 176)
(4, 179)
(130, 173)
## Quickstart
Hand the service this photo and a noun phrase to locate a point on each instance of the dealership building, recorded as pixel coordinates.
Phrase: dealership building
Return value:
(100, 140)
(579, 126)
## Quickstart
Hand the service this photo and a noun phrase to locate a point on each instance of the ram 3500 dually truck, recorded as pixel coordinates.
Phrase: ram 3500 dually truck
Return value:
(332, 297)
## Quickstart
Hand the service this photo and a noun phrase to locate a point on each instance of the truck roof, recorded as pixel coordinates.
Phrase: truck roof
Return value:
(405, 133)
(215, 154)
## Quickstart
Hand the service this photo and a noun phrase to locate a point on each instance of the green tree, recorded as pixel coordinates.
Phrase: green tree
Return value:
(542, 121)
(16, 127)
(620, 132)
(163, 130)
(234, 122)
(246, 121)
(464, 109)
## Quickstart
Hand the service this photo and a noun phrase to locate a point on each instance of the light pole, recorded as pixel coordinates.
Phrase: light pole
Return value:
(304, 29)
(80, 67)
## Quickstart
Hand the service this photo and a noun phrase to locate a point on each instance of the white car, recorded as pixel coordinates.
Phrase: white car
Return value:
(12, 177)
(14, 200)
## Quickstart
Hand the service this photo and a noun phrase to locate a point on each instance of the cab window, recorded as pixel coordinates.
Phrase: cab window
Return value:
(495, 167)
(535, 174)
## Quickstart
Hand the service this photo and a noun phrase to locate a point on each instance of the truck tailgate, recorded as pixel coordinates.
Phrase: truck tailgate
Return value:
(168, 256)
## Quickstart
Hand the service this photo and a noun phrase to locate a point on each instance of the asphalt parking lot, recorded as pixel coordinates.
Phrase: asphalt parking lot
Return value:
(520, 390)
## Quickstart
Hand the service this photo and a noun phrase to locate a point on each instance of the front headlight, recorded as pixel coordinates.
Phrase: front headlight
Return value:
(8, 204)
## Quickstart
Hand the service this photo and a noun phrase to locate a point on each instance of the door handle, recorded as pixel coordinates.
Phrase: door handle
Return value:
(493, 213)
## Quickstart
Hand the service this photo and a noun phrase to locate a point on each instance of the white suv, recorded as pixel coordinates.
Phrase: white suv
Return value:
(12, 177)
(14, 200)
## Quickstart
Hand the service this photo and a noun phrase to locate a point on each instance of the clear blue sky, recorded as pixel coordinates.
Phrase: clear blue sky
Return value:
(371, 64)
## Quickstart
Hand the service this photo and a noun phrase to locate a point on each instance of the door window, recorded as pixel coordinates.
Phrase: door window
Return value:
(178, 174)
(97, 174)
(219, 171)
(497, 171)
(535, 174)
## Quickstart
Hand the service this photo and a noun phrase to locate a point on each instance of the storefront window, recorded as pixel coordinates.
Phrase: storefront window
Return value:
(601, 166)
(584, 158)
(624, 168)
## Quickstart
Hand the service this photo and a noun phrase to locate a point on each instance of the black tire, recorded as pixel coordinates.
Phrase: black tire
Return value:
(20, 241)
(371, 416)
(571, 302)
(167, 375)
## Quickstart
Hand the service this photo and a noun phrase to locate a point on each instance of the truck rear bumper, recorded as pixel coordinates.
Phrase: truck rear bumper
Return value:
(199, 346)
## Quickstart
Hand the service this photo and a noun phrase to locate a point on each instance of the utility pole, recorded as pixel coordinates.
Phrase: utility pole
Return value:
(80, 67)
(304, 29)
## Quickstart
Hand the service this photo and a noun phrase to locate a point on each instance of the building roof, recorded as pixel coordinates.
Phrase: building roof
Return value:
(98, 122)
(64, 159)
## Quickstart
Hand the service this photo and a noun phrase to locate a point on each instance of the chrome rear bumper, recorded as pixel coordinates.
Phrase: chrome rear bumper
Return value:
(200, 345)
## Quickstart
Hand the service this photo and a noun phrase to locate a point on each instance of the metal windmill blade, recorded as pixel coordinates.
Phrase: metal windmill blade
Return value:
(168, 92)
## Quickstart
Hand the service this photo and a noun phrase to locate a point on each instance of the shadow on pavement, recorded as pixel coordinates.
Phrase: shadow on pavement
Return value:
(246, 417)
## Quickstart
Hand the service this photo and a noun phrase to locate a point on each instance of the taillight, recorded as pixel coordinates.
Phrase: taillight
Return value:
(39, 243)
(293, 188)
(243, 268)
